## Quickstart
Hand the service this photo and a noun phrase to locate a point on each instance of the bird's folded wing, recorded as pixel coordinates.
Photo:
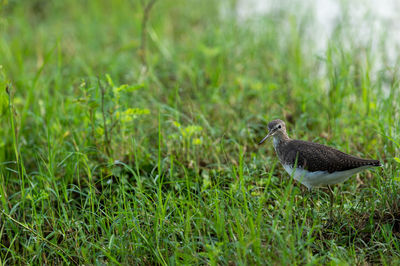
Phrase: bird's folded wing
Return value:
(316, 157)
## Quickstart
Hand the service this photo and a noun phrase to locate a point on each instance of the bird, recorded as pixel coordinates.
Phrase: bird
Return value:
(313, 164)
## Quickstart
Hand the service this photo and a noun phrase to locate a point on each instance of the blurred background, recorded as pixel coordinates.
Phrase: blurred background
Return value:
(319, 63)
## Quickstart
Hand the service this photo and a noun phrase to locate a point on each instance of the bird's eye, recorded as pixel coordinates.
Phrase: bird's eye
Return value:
(279, 126)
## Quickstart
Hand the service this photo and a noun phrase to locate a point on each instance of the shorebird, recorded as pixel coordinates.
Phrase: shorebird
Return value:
(313, 164)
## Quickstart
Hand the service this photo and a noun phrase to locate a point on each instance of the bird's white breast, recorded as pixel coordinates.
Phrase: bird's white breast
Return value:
(320, 178)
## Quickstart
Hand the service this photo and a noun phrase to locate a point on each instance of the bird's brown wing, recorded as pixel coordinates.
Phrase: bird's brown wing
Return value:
(316, 157)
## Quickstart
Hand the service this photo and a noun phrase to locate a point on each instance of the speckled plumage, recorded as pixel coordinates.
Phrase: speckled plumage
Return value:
(316, 164)
(316, 157)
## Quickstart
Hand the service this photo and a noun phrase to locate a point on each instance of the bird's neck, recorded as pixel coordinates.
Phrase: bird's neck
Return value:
(280, 138)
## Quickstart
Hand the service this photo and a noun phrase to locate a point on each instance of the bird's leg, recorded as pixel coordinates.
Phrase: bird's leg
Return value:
(312, 200)
(303, 196)
(331, 205)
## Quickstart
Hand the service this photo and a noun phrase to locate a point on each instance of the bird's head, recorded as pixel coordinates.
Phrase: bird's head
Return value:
(276, 128)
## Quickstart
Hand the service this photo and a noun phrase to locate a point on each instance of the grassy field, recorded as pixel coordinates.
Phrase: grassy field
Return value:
(130, 136)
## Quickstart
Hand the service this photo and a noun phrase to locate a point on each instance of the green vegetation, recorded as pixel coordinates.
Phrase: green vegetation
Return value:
(119, 151)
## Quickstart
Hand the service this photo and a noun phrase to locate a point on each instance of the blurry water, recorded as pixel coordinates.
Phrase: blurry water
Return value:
(366, 20)
(367, 23)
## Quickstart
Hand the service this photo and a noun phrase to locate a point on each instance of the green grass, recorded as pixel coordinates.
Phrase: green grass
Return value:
(104, 160)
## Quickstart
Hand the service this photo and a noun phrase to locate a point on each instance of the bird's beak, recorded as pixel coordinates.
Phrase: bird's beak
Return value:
(266, 137)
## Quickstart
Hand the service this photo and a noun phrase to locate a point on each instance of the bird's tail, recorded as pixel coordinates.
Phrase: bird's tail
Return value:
(376, 163)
